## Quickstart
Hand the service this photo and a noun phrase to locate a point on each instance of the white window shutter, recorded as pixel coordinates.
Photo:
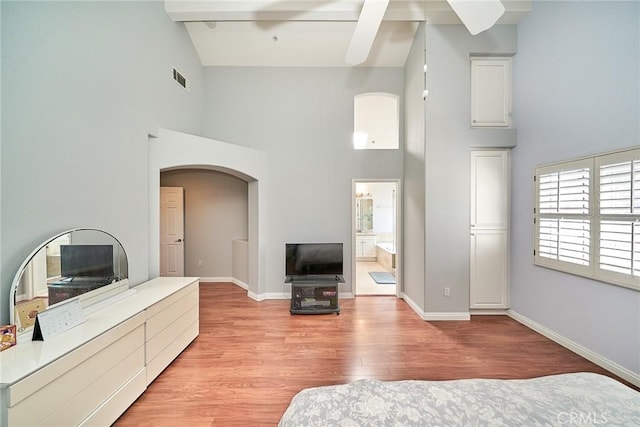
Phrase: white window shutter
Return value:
(564, 232)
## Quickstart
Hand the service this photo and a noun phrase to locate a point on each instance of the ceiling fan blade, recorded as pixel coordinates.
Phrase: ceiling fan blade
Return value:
(477, 15)
(366, 29)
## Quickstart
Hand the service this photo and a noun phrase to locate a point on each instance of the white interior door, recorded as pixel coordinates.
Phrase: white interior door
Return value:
(172, 231)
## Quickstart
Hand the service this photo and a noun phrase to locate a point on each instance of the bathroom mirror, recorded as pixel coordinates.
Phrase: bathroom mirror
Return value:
(86, 263)
(364, 214)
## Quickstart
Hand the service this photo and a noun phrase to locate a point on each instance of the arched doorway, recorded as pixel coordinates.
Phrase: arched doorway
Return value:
(173, 150)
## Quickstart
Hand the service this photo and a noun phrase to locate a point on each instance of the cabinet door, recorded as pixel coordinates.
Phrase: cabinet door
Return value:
(369, 247)
(488, 267)
(491, 92)
(489, 189)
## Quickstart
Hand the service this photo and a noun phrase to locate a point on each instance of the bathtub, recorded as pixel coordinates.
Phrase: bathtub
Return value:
(389, 247)
(386, 254)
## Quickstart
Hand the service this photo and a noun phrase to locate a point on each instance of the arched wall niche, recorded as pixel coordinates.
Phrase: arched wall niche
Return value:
(176, 150)
(376, 121)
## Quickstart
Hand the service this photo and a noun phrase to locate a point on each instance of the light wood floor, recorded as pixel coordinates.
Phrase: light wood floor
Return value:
(252, 357)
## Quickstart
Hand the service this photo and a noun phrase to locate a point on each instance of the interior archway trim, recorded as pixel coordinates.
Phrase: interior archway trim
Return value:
(170, 149)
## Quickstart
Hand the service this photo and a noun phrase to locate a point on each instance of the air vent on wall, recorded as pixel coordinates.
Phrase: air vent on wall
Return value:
(181, 80)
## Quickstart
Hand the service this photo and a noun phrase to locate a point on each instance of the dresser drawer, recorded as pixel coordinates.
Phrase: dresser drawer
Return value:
(164, 313)
(171, 325)
(70, 389)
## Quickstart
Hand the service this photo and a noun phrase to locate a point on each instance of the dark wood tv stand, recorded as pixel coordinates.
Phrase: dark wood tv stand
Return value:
(314, 295)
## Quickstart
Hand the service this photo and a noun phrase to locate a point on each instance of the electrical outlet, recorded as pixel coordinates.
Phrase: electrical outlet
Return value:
(447, 292)
(200, 263)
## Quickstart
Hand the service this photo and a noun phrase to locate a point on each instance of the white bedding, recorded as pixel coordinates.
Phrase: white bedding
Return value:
(557, 400)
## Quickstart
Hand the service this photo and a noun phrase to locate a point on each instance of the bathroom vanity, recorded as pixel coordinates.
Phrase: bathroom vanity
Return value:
(366, 246)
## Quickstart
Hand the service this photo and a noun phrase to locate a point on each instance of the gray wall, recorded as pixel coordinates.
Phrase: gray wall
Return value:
(414, 183)
(448, 141)
(576, 93)
(82, 85)
(302, 118)
(215, 208)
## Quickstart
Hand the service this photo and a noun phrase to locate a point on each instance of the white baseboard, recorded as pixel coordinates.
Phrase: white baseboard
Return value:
(224, 280)
(489, 312)
(431, 317)
(609, 365)
(240, 283)
(216, 279)
(446, 316)
(255, 297)
(415, 307)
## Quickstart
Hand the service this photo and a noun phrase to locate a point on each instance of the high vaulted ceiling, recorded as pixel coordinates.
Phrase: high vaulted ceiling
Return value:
(308, 32)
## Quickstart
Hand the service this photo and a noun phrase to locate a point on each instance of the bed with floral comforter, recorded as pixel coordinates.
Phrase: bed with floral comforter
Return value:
(556, 400)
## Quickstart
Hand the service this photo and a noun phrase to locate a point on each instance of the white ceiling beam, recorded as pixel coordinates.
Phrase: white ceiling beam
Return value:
(431, 11)
(250, 10)
(365, 31)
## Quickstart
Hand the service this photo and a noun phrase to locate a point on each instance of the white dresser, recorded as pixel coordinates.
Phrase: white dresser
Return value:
(91, 374)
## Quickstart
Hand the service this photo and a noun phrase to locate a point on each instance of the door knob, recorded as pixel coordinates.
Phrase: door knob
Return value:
(179, 240)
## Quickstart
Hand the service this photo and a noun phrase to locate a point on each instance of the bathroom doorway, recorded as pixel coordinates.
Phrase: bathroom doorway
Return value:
(376, 232)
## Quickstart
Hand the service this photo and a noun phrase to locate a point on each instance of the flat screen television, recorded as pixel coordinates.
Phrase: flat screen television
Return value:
(313, 259)
(86, 261)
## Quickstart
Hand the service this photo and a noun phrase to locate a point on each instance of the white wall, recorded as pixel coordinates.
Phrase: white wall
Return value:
(576, 86)
(448, 141)
(302, 119)
(82, 85)
(216, 213)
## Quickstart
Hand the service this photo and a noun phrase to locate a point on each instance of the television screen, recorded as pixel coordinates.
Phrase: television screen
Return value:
(305, 259)
(86, 260)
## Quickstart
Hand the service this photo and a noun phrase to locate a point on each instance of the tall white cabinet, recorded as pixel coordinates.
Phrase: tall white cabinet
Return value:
(489, 229)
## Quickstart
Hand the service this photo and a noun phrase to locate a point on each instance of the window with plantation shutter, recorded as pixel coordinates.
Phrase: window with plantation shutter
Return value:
(563, 224)
(587, 217)
(619, 216)
(564, 210)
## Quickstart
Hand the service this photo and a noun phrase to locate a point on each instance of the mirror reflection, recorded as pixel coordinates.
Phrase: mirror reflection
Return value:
(364, 214)
(84, 263)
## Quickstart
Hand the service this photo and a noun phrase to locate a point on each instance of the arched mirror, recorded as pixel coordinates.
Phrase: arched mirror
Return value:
(86, 263)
